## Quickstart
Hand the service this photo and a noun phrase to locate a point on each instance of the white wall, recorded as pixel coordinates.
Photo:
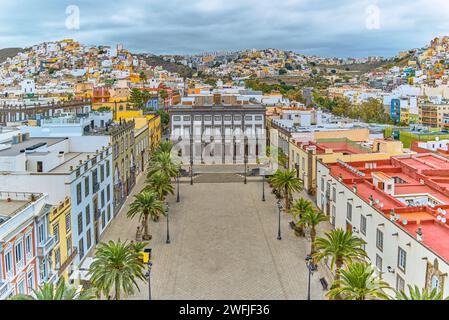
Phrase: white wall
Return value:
(52, 184)
(415, 273)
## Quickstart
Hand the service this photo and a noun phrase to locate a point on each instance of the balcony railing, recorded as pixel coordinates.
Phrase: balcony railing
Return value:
(44, 249)
(5, 289)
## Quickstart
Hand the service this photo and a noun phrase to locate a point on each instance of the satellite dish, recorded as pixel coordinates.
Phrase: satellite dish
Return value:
(440, 210)
(443, 212)
(398, 217)
(439, 218)
(405, 222)
(377, 201)
(443, 220)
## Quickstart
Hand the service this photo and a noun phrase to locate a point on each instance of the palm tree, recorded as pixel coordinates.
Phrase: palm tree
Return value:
(341, 246)
(146, 204)
(358, 282)
(417, 294)
(298, 209)
(165, 146)
(312, 218)
(160, 183)
(162, 161)
(285, 182)
(115, 269)
(59, 292)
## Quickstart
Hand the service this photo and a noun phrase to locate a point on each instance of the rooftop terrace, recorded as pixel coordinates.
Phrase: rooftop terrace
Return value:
(12, 203)
(419, 195)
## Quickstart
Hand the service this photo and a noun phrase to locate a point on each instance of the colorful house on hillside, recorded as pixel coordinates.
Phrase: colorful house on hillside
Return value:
(395, 110)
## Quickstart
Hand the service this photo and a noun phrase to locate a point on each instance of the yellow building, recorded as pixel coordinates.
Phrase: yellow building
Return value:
(60, 227)
(152, 120)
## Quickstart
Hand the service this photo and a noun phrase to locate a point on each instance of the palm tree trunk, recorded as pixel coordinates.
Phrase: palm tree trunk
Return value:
(312, 238)
(338, 266)
(287, 204)
(117, 292)
(146, 236)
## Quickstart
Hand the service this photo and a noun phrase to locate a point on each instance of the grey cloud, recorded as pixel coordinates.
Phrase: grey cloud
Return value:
(322, 27)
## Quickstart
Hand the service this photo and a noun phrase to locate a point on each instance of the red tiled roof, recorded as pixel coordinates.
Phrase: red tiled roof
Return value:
(420, 174)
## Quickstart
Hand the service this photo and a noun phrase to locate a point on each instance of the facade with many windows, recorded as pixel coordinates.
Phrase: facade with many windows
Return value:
(220, 134)
(61, 228)
(24, 242)
(399, 208)
(77, 168)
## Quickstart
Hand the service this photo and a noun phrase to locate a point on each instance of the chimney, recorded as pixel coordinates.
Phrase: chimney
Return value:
(354, 188)
(371, 200)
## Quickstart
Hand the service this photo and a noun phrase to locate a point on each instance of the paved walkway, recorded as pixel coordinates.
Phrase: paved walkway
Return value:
(223, 246)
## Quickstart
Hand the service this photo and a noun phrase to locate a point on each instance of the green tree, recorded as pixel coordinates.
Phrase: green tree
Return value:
(104, 109)
(298, 210)
(146, 204)
(312, 218)
(162, 162)
(373, 111)
(160, 183)
(342, 106)
(165, 146)
(115, 269)
(163, 95)
(61, 291)
(165, 117)
(286, 183)
(415, 293)
(142, 76)
(359, 282)
(136, 98)
(341, 246)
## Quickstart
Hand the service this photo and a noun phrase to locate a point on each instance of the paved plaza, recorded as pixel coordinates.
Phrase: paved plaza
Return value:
(223, 246)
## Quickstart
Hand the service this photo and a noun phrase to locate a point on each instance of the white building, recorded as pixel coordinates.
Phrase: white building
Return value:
(28, 86)
(398, 207)
(75, 167)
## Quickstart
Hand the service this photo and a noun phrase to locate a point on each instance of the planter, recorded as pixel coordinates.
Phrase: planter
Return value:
(299, 232)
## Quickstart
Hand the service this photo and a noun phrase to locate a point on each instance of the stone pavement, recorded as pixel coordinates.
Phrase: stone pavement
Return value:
(223, 246)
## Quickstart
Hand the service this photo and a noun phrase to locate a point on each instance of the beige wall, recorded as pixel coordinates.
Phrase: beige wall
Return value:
(357, 135)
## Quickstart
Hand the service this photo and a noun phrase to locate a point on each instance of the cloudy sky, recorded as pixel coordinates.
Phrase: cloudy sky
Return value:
(323, 27)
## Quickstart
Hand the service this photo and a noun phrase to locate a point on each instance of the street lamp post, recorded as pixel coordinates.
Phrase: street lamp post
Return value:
(246, 164)
(177, 195)
(263, 187)
(168, 230)
(149, 279)
(311, 267)
(191, 172)
(279, 204)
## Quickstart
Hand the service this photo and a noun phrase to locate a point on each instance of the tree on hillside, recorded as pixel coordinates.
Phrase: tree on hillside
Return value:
(136, 98)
